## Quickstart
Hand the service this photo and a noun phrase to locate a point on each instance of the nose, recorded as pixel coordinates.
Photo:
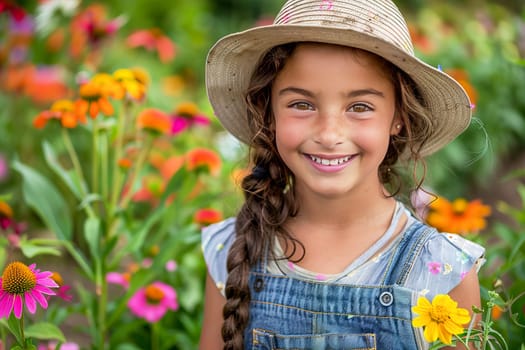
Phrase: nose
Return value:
(329, 130)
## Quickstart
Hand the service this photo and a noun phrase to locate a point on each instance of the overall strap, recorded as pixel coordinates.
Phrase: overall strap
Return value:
(408, 249)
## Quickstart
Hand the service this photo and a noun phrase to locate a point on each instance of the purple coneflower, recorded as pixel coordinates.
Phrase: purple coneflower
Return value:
(21, 283)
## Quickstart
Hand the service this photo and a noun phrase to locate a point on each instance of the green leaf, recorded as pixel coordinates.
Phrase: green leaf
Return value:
(30, 249)
(92, 235)
(45, 330)
(69, 177)
(46, 201)
(13, 324)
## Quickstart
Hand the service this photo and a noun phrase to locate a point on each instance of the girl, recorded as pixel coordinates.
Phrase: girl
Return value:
(322, 254)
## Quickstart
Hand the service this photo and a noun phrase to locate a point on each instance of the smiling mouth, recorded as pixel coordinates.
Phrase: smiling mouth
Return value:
(330, 162)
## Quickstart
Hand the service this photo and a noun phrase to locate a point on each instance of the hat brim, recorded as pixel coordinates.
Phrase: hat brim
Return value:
(232, 60)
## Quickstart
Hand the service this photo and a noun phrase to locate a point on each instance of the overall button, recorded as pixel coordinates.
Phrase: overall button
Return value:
(386, 298)
(258, 285)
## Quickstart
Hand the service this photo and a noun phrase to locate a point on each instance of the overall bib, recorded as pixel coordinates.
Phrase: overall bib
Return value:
(289, 313)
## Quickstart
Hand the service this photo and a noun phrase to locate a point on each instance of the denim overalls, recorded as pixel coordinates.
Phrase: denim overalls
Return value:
(289, 313)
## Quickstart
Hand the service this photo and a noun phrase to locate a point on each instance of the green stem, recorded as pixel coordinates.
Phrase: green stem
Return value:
(117, 184)
(94, 165)
(78, 169)
(102, 305)
(23, 338)
(155, 335)
(104, 165)
(137, 169)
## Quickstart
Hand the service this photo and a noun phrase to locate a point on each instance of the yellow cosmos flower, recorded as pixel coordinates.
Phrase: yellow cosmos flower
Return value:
(459, 216)
(440, 319)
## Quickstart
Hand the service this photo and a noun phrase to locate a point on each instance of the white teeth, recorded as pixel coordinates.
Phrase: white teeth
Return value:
(323, 161)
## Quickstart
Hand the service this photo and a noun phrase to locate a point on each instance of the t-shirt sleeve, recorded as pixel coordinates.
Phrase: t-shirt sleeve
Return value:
(216, 242)
(443, 263)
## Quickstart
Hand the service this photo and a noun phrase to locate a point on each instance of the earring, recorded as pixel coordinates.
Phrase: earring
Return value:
(398, 126)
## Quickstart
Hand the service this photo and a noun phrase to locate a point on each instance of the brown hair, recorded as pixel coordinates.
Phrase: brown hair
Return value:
(267, 202)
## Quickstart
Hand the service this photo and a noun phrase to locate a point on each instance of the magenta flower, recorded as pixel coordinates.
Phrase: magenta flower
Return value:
(434, 267)
(21, 283)
(153, 301)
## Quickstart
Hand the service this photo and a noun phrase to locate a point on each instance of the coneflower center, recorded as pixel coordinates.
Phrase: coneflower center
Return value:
(154, 294)
(18, 278)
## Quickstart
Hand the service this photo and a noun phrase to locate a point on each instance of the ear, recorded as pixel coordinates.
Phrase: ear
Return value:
(396, 127)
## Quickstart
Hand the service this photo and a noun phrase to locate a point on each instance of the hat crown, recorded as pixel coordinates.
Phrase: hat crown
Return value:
(377, 18)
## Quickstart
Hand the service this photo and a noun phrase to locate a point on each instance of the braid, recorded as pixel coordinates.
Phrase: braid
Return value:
(265, 208)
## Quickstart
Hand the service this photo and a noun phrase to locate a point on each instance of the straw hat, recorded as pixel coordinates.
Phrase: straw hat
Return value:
(373, 25)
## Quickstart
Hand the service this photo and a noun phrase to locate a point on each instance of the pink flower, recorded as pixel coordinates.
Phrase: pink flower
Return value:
(153, 301)
(121, 279)
(434, 267)
(53, 345)
(21, 283)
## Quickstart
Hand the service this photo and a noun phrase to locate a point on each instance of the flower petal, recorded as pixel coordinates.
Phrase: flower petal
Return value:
(30, 302)
(431, 332)
(40, 298)
(18, 306)
(43, 290)
(6, 304)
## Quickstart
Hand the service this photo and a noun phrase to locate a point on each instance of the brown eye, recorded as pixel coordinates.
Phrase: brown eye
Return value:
(302, 106)
(360, 108)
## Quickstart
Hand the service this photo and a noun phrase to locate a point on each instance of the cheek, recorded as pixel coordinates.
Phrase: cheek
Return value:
(373, 139)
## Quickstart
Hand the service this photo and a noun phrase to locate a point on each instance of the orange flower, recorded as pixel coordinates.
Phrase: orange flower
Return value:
(5, 210)
(108, 85)
(132, 81)
(496, 312)
(460, 216)
(124, 163)
(66, 111)
(463, 79)
(94, 101)
(153, 40)
(202, 158)
(154, 120)
(207, 216)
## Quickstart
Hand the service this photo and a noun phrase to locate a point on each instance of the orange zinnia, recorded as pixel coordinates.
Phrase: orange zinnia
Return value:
(203, 158)
(66, 111)
(94, 101)
(459, 216)
(154, 120)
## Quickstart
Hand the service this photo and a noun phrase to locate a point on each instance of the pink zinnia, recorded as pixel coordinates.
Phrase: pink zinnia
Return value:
(153, 301)
(21, 283)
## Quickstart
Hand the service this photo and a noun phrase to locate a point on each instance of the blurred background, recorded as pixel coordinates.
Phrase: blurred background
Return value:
(48, 47)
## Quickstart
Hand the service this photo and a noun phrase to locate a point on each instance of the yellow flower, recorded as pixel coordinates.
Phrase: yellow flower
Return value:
(440, 319)
(133, 81)
(459, 216)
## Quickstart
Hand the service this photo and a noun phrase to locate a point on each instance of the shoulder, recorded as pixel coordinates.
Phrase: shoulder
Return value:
(216, 242)
(443, 262)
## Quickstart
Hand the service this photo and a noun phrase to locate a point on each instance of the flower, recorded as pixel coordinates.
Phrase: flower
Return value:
(154, 120)
(66, 111)
(93, 100)
(153, 301)
(21, 283)
(52, 345)
(132, 81)
(153, 40)
(462, 77)
(460, 216)
(185, 116)
(440, 319)
(207, 216)
(202, 158)
(63, 289)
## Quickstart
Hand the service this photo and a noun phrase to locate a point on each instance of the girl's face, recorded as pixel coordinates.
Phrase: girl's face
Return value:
(334, 113)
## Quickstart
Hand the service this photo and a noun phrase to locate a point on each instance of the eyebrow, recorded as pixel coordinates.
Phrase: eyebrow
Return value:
(351, 94)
